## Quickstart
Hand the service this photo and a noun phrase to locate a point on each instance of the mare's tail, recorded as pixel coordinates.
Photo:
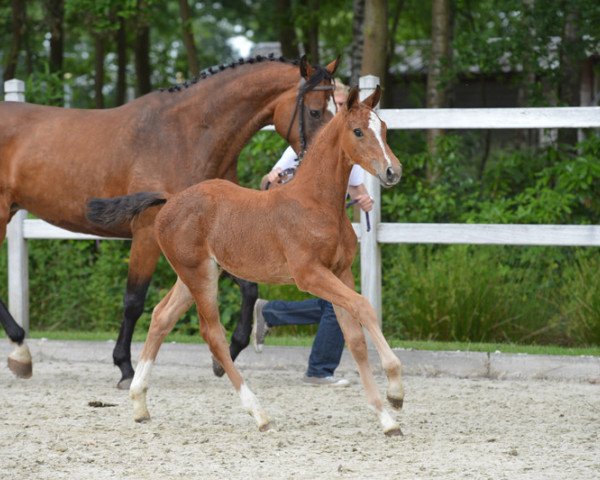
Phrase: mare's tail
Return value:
(110, 212)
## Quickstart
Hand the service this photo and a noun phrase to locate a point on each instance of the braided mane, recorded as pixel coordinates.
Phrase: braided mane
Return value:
(211, 71)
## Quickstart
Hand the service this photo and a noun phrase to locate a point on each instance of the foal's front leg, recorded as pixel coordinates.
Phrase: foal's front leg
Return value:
(351, 310)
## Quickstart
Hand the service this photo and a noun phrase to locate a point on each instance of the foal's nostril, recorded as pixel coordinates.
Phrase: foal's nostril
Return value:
(391, 175)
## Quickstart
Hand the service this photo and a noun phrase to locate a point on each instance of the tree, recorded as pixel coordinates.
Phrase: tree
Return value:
(188, 38)
(18, 32)
(308, 18)
(141, 48)
(356, 52)
(375, 40)
(439, 58)
(286, 33)
(56, 13)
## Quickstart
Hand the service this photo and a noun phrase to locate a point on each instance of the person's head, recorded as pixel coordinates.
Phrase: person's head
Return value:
(340, 94)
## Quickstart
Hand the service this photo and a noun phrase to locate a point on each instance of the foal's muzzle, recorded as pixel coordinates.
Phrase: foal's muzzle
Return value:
(390, 176)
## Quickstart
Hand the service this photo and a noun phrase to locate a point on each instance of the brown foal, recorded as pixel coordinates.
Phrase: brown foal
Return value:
(298, 233)
(53, 160)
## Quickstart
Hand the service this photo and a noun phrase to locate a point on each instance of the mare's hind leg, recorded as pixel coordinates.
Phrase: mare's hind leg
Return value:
(203, 283)
(164, 318)
(19, 360)
(356, 310)
(241, 335)
(142, 263)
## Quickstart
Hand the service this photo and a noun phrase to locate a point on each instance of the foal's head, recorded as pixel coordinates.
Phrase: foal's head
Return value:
(363, 138)
(300, 114)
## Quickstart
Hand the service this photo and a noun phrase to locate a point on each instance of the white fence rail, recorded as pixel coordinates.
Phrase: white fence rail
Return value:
(21, 229)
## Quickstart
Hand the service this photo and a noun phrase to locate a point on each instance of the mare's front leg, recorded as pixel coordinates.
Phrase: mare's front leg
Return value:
(164, 317)
(142, 263)
(352, 310)
(19, 360)
(241, 335)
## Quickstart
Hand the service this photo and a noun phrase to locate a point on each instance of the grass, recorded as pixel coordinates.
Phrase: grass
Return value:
(306, 341)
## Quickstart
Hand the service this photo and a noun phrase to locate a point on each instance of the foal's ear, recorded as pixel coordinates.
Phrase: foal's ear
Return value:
(352, 100)
(372, 100)
(306, 70)
(332, 67)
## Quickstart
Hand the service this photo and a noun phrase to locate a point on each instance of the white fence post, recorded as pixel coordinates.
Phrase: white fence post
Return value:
(370, 252)
(18, 271)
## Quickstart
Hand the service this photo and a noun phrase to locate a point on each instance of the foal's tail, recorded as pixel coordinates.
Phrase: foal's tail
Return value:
(110, 212)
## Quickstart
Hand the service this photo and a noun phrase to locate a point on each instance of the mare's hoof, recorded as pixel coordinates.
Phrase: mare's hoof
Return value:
(264, 427)
(218, 370)
(144, 419)
(396, 402)
(394, 432)
(20, 369)
(124, 383)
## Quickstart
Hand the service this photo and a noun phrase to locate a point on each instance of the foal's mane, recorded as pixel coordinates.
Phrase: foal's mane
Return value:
(211, 71)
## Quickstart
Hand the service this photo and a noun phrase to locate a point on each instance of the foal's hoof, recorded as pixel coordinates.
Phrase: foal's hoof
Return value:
(396, 402)
(394, 432)
(218, 370)
(20, 369)
(124, 383)
(142, 419)
(264, 427)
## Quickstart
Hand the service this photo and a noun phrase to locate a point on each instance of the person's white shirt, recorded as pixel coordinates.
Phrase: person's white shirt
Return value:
(289, 159)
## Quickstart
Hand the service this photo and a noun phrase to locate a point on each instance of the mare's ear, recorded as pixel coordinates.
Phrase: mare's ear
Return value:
(332, 67)
(352, 100)
(372, 100)
(306, 70)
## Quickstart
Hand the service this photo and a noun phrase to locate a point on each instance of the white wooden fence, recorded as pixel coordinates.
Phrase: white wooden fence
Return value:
(21, 229)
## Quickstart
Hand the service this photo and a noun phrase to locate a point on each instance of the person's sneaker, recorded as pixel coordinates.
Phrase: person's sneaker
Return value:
(334, 382)
(259, 326)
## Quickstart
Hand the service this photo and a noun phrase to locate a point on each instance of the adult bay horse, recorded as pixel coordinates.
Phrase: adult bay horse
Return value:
(298, 233)
(53, 160)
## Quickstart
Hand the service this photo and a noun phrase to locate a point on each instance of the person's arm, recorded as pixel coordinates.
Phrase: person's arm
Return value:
(362, 197)
(286, 160)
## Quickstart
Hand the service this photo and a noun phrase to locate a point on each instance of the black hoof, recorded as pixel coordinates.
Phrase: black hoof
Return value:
(124, 383)
(218, 370)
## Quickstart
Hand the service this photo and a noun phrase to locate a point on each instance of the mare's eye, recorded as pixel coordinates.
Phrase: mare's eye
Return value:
(358, 132)
(315, 113)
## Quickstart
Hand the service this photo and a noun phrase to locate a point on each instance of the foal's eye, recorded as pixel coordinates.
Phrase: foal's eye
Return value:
(315, 113)
(358, 132)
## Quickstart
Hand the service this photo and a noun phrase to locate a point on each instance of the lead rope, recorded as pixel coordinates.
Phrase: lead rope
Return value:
(354, 202)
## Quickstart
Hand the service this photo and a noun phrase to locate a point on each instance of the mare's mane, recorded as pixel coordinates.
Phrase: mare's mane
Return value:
(211, 71)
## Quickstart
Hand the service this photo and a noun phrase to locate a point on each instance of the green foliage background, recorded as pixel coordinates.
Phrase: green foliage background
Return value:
(466, 293)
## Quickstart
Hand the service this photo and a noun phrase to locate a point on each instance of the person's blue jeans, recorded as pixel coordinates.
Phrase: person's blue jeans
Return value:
(328, 346)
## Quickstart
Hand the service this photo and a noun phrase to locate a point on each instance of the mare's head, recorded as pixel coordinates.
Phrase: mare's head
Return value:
(300, 112)
(363, 138)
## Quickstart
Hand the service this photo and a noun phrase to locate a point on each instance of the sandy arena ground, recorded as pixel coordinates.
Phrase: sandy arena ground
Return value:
(453, 428)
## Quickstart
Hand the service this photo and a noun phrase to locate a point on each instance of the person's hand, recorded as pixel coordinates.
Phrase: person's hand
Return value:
(273, 175)
(364, 201)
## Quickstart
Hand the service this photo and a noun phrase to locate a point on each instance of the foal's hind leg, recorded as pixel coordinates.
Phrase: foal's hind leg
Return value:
(19, 360)
(203, 283)
(164, 317)
(241, 335)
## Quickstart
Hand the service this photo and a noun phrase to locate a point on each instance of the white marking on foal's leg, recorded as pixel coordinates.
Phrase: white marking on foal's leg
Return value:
(375, 126)
(137, 391)
(19, 360)
(390, 427)
(252, 406)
